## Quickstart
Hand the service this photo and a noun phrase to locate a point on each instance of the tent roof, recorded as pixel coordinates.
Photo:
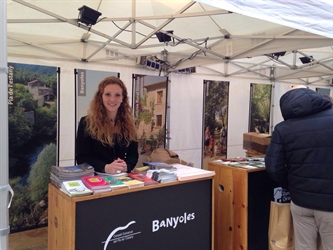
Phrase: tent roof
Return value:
(312, 16)
(203, 35)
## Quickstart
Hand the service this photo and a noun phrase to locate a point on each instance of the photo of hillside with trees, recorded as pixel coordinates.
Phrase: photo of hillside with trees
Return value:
(32, 125)
(260, 108)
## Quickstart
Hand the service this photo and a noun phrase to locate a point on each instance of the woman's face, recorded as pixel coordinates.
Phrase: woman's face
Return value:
(112, 97)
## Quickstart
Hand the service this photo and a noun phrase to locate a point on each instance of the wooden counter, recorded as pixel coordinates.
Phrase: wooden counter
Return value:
(175, 215)
(241, 204)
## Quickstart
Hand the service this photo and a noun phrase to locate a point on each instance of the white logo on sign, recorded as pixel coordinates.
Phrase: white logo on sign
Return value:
(281, 195)
(121, 236)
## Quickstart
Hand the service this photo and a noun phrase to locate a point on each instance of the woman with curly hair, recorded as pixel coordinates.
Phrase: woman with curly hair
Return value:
(106, 138)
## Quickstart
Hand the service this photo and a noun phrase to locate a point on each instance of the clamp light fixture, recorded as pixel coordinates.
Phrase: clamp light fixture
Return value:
(88, 15)
(162, 37)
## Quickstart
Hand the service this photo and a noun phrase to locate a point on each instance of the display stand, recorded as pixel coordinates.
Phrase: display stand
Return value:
(241, 204)
(175, 215)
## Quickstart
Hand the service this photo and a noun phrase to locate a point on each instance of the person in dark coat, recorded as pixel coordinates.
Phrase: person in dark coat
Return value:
(300, 159)
(106, 138)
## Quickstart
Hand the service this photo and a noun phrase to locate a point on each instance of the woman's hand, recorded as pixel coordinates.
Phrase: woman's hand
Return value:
(116, 167)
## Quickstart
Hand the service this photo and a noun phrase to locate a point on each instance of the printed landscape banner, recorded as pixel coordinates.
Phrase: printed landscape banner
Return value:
(260, 103)
(32, 124)
(323, 91)
(150, 107)
(215, 125)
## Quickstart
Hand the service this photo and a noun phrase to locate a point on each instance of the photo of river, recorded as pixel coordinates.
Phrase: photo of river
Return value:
(32, 127)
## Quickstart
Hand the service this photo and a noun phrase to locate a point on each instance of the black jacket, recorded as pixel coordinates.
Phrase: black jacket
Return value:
(93, 152)
(300, 155)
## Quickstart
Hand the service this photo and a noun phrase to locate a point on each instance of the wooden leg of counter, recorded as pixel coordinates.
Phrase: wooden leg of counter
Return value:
(230, 209)
(61, 220)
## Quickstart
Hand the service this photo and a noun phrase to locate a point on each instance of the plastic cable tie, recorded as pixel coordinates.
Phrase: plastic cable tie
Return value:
(4, 69)
(4, 231)
(8, 188)
(4, 188)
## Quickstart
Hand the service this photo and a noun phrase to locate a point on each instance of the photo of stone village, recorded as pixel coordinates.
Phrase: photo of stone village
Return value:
(150, 102)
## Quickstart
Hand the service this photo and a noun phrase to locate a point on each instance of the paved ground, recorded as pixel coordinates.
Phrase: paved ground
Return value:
(34, 239)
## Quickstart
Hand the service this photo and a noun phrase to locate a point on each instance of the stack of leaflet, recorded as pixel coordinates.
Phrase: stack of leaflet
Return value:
(140, 170)
(130, 182)
(59, 174)
(185, 173)
(240, 162)
(160, 171)
(75, 188)
(96, 183)
(144, 178)
(158, 165)
(162, 175)
(115, 184)
(113, 175)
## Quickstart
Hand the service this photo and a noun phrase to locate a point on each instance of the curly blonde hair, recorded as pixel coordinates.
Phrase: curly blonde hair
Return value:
(98, 125)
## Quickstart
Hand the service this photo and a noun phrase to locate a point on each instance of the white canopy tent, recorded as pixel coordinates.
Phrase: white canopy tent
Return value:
(224, 38)
(243, 36)
(315, 17)
(311, 16)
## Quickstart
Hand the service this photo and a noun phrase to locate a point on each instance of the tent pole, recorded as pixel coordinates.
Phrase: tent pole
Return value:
(4, 186)
(272, 108)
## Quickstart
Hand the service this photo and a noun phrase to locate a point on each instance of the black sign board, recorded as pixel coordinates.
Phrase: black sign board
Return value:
(171, 217)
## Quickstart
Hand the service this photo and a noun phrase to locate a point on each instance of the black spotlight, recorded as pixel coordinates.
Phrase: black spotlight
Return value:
(88, 16)
(306, 59)
(162, 38)
(278, 54)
